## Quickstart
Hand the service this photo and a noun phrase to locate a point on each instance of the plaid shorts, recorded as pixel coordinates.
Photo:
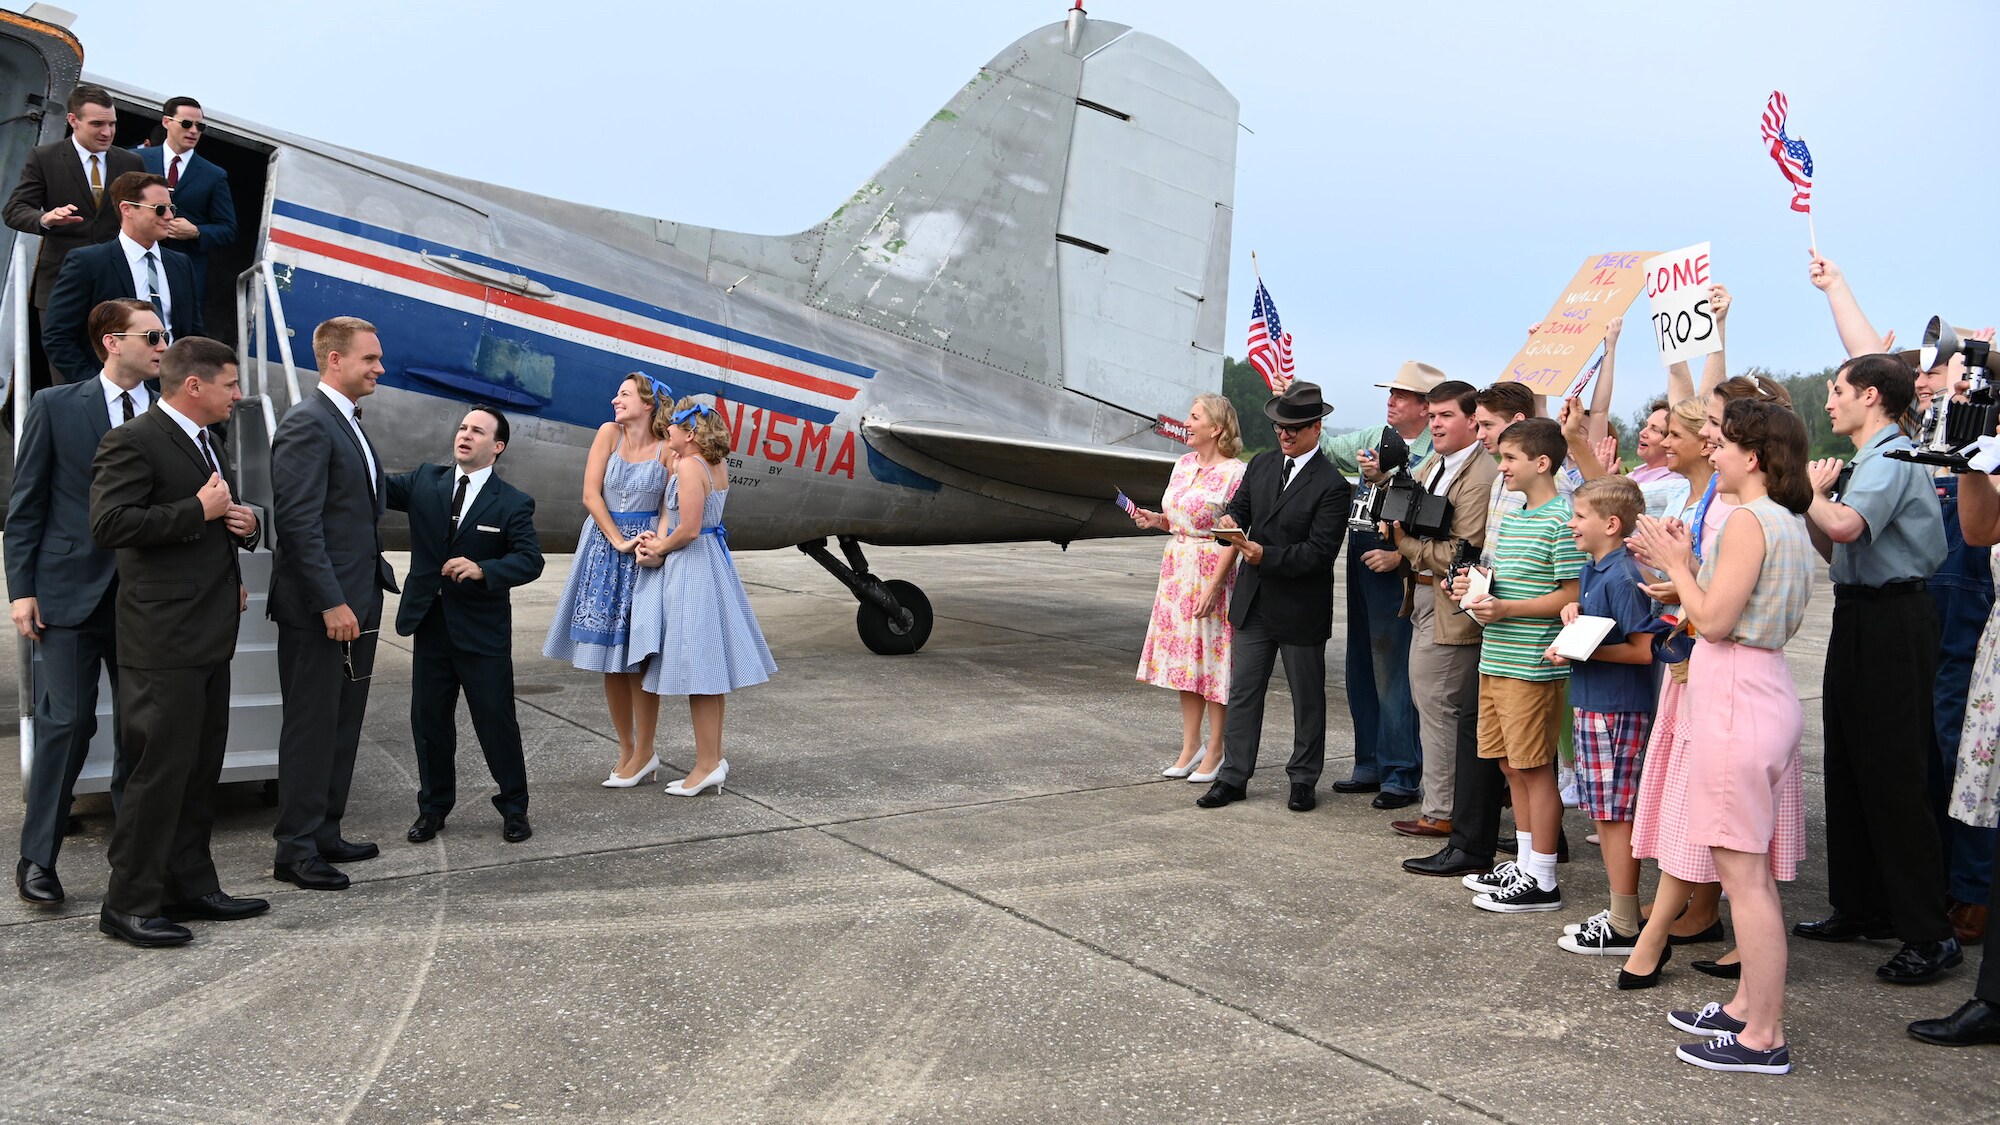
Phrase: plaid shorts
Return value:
(1610, 749)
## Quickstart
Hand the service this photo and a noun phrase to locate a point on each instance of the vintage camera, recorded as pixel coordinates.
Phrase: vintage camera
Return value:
(1400, 499)
(1951, 427)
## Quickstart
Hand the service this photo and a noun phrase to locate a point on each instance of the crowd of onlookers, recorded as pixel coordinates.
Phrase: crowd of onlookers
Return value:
(1550, 626)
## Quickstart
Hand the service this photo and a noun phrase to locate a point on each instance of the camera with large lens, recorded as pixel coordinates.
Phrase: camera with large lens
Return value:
(1400, 499)
(1952, 426)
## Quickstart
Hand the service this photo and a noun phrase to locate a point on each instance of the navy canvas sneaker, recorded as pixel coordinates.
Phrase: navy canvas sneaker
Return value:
(1724, 1053)
(1711, 1020)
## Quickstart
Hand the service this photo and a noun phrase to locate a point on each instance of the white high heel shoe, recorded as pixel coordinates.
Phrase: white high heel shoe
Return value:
(1205, 778)
(714, 779)
(1182, 771)
(649, 772)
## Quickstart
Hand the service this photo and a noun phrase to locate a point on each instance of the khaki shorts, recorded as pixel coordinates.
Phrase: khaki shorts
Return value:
(1520, 721)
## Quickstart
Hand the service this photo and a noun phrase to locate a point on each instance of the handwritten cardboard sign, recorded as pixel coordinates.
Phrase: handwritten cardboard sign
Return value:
(1677, 285)
(1603, 288)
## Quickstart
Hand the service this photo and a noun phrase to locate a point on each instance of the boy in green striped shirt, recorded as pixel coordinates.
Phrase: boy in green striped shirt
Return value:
(1521, 709)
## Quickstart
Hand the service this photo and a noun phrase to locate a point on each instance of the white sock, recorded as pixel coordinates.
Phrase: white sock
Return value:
(1542, 865)
(1527, 845)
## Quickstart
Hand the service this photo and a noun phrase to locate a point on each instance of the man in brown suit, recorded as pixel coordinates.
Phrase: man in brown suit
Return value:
(159, 499)
(65, 197)
(1444, 646)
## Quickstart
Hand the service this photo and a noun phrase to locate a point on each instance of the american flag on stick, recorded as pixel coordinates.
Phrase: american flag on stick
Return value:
(1792, 157)
(1270, 345)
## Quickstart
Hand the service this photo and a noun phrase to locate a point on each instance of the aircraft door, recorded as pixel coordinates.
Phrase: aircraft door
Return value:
(39, 64)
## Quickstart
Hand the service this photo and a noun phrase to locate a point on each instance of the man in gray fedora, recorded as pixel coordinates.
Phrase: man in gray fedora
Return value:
(1291, 509)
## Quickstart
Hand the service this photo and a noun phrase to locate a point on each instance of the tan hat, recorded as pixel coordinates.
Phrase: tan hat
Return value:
(1416, 378)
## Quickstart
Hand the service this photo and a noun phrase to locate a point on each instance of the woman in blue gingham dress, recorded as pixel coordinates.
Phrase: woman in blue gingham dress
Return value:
(623, 484)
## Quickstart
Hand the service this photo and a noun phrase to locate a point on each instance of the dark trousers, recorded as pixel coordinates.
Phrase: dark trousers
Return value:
(176, 724)
(320, 735)
(66, 721)
(488, 681)
(1962, 589)
(1253, 654)
(1882, 854)
(1478, 787)
(1386, 748)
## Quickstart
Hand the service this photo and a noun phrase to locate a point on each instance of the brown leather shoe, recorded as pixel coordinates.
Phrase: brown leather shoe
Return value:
(1422, 826)
(1968, 922)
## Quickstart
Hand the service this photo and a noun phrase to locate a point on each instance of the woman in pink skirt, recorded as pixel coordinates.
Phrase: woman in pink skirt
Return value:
(1187, 640)
(1744, 799)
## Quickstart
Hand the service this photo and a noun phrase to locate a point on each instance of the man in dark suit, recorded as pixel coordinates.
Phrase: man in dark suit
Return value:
(326, 594)
(158, 497)
(62, 196)
(204, 211)
(61, 584)
(472, 538)
(1293, 505)
(134, 264)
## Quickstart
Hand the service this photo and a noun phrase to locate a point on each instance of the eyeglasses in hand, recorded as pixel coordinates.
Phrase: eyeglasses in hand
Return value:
(347, 658)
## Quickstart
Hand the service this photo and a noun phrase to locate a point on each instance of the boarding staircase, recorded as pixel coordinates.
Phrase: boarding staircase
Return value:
(255, 703)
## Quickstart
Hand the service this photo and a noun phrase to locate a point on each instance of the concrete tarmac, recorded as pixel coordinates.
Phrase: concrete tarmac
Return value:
(949, 887)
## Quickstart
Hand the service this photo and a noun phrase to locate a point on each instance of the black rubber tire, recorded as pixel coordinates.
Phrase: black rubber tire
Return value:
(885, 637)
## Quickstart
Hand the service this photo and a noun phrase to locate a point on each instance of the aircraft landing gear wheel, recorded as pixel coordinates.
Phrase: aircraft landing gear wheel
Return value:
(896, 634)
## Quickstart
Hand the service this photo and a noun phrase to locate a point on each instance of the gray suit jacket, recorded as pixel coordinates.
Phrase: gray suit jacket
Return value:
(178, 582)
(50, 554)
(324, 514)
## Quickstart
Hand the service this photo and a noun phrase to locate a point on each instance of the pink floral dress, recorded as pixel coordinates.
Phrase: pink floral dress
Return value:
(1185, 652)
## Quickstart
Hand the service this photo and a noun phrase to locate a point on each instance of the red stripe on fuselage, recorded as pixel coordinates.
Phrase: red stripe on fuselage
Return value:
(570, 317)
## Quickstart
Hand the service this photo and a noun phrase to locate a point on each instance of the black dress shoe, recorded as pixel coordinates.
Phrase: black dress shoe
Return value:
(347, 851)
(38, 885)
(426, 828)
(1919, 962)
(215, 907)
(314, 874)
(141, 931)
(1976, 1021)
(1220, 794)
(1449, 861)
(1387, 800)
(1713, 933)
(1842, 926)
(1349, 785)
(1720, 970)
(1302, 799)
(514, 827)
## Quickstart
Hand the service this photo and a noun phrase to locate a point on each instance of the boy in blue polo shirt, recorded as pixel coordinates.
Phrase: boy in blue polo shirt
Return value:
(1612, 694)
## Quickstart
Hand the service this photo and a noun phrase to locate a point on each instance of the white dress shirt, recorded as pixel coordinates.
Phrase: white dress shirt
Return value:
(346, 408)
(173, 158)
(142, 399)
(1443, 470)
(135, 259)
(194, 433)
(475, 481)
(83, 158)
(1298, 465)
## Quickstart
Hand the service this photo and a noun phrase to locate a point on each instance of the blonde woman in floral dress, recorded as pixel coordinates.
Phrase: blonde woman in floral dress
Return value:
(1187, 641)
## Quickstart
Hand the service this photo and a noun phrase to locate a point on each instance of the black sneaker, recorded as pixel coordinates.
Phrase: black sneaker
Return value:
(1494, 881)
(1596, 938)
(1711, 1020)
(1521, 896)
(1724, 1053)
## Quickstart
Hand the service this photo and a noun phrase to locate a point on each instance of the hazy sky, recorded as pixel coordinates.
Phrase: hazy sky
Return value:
(1421, 180)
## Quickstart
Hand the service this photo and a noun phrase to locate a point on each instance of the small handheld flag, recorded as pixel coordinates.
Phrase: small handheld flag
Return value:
(1270, 345)
(1126, 505)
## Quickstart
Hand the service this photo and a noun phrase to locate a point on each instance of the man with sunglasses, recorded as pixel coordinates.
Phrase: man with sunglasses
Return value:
(204, 211)
(63, 196)
(133, 265)
(61, 585)
(1292, 509)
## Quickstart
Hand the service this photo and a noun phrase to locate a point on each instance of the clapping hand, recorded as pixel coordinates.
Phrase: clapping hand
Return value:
(1664, 544)
(1607, 455)
(1718, 300)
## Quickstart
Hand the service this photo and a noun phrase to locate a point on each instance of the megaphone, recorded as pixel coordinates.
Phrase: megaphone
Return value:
(1941, 342)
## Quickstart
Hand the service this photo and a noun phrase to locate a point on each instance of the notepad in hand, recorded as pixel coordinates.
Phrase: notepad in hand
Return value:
(1478, 584)
(1580, 638)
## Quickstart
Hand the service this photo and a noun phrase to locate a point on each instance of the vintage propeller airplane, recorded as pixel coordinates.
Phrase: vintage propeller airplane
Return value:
(982, 343)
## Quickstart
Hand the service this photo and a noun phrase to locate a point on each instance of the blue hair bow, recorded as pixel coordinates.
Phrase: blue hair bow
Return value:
(698, 409)
(662, 394)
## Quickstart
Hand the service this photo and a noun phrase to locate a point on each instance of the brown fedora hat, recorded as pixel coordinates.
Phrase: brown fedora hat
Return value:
(1299, 405)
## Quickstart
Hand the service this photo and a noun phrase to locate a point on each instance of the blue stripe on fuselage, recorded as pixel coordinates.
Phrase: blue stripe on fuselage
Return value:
(417, 333)
(562, 285)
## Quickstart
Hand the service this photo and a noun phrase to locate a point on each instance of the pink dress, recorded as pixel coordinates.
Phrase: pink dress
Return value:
(1659, 821)
(1185, 652)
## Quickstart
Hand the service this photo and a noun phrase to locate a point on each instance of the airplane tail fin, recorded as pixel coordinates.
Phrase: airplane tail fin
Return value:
(1064, 218)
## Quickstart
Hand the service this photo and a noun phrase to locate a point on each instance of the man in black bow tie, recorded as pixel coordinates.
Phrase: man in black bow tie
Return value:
(1292, 509)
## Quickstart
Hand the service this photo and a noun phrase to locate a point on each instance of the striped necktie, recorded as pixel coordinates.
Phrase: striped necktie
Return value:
(153, 286)
(96, 182)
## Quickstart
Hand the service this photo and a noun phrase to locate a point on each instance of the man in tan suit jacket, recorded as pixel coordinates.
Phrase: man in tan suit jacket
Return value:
(1444, 646)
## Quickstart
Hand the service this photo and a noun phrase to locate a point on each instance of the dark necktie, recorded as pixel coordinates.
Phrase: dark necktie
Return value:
(458, 502)
(201, 439)
(1287, 482)
(174, 173)
(96, 182)
(153, 286)
(125, 403)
